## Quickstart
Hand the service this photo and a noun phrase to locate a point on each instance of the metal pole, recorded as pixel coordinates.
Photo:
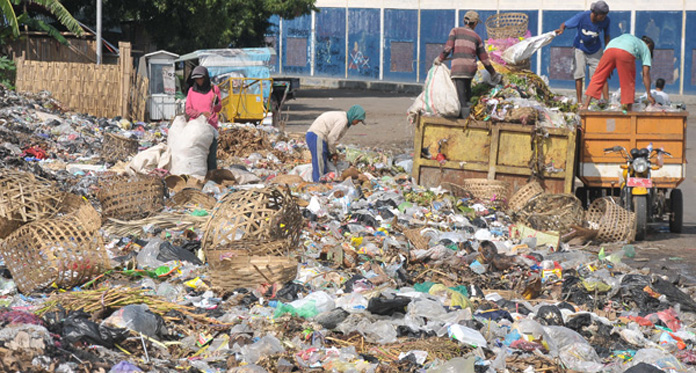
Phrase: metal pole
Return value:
(99, 32)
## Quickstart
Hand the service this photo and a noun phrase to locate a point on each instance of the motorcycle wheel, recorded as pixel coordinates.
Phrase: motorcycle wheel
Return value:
(676, 208)
(640, 206)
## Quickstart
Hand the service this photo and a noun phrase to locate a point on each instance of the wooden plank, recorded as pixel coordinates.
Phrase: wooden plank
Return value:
(493, 153)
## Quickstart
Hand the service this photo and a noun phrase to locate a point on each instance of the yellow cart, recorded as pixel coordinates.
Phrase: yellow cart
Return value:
(242, 99)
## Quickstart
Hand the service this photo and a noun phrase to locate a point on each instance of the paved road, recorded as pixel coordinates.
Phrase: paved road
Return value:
(388, 128)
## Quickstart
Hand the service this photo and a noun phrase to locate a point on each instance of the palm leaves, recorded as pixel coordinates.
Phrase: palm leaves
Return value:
(52, 6)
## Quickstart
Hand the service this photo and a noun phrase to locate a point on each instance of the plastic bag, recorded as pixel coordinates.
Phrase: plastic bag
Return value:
(523, 50)
(466, 335)
(190, 143)
(352, 302)
(124, 367)
(388, 307)
(331, 319)
(266, 346)
(381, 332)
(456, 365)
(439, 96)
(147, 256)
(78, 327)
(169, 252)
(139, 318)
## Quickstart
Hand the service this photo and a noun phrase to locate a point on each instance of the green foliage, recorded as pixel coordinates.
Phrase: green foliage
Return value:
(182, 26)
(53, 7)
(7, 72)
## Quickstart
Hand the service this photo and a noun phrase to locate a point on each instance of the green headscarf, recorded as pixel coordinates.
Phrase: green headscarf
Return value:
(355, 112)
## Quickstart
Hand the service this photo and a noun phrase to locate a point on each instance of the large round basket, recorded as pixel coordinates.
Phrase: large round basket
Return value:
(523, 195)
(49, 251)
(130, 198)
(250, 271)
(457, 190)
(192, 198)
(118, 148)
(78, 209)
(26, 197)
(261, 214)
(613, 222)
(216, 255)
(552, 212)
(507, 25)
(490, 192)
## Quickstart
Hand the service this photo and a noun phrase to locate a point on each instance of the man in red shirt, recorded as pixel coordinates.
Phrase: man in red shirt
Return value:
(465, 45)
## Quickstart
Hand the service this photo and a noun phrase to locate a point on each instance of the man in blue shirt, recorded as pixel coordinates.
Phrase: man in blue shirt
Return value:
(587, 45)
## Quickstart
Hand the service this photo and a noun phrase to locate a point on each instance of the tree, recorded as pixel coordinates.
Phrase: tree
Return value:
(52, 7)
(182, 26)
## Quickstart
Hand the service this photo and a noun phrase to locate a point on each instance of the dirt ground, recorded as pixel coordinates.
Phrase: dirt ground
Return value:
(388, 128)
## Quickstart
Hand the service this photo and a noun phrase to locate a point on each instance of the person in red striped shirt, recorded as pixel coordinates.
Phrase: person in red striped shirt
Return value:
(465, 45)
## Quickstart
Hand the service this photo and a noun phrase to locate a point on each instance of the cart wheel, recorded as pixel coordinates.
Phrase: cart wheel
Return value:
(676, 208)
(640, 206)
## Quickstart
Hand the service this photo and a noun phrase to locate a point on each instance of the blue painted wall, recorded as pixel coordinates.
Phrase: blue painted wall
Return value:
(298, 28)
(400, 27)
(273, 35)
(363, 43)
(665, 30)
(330, 48)
(435, 28)
(689, 60)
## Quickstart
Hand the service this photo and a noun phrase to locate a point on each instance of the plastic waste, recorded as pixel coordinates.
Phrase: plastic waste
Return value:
(139, 318)
(331, 319)
(388, 306)
(352, 302)
(381, 332)
(266, 346)
(147, 256)
(456, 365)
(124, 367)
(467, 336)
(168, 252)
(78, 327)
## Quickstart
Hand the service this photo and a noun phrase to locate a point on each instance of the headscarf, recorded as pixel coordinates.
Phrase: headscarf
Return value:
(206, 86)
(355, 112)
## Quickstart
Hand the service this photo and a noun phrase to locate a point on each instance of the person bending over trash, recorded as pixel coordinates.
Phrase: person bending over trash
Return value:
(323, 136)
(621, 53)
(587, 46)
(204, 99)
(465, 45)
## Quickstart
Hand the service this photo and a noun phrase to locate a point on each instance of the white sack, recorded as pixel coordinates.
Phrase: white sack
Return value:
(158, 156)
(518, 53)
(439, 97)
(190, 142)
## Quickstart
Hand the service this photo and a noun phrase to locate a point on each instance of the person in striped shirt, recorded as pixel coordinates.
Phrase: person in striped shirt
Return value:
(465, 45)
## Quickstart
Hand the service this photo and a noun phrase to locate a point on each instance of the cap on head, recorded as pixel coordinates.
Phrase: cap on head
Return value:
(471, 17)
(600, 7)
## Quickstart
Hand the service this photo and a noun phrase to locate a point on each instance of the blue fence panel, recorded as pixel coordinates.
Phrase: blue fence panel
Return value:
(665, 30)
(330, 48)
(296, 45)
(435, 28)
(400, 37)
(363, 43)
(272, 36)
(690, 56)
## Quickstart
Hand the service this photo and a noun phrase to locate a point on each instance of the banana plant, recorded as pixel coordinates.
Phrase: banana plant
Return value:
(54, 7)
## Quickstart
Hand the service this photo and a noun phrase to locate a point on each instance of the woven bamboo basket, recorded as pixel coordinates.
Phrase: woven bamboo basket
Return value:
(50, 251)
(191, 197)
(491, 192)
(523, 195)
(80, 210)
(614, 223)
(118, 148)
(247, 248)
(414, 235)
(26, 197)
(507, 25)
(7, 226)
(251, 271)
(552, 212)
(261, 214)
(130, 198)
(457, 190)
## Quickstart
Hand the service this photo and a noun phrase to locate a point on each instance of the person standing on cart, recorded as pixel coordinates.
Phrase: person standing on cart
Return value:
(464, 44)
(587, 47)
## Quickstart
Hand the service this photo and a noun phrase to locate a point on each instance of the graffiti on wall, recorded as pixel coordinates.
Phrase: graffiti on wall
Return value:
(357, 60)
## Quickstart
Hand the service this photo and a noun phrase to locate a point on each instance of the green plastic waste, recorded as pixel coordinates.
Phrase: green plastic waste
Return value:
(629, 251)
(307, 311)
(423, 287)
(199, 212)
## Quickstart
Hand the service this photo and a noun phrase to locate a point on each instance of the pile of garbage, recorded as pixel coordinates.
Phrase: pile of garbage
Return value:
(255, 269)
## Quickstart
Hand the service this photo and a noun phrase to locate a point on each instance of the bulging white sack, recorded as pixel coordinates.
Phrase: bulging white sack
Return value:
(190, 142)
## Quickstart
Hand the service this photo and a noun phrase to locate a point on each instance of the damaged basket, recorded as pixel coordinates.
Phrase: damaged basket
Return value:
(57, 251)
(247, 248)
(524, 195)
(613, 222)
(118, 148)
(80, 210)
(25, 197)
(249, 271)
(192, 197)
(130, 198)
(552, 212)
(262, 214)
(491, 192)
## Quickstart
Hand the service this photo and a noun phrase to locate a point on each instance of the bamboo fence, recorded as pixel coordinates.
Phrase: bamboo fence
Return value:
(99, 90)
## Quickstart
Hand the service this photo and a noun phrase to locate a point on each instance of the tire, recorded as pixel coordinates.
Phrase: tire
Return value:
(640, 207)
(676, 211)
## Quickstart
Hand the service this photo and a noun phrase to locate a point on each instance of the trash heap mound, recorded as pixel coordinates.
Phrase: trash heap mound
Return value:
(255, 269)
